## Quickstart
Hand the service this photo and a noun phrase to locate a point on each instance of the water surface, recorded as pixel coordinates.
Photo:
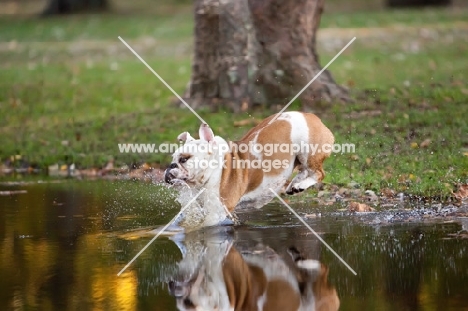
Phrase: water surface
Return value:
(62, 245)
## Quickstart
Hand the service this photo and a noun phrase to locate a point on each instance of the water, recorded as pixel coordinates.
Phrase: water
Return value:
(62, 245)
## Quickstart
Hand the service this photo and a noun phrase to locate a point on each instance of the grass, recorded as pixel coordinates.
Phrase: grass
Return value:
(70, 91)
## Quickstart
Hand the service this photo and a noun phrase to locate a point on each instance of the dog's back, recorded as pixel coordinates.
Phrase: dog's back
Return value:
(293, 140)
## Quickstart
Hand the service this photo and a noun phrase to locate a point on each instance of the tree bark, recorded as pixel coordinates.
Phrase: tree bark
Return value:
(257, 52)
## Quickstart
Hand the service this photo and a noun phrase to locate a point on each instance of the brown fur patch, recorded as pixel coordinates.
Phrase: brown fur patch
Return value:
(244, 284)
(318, 134)
(279, 132)
(237, 181)
(234, 181)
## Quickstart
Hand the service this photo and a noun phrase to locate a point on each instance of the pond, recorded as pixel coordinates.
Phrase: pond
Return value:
(62, 245)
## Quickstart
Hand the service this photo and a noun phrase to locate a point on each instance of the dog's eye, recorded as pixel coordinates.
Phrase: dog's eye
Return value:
(183, 160)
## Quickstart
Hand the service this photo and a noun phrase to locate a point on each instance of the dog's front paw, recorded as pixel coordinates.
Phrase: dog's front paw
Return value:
(234, 219)
(294, 190)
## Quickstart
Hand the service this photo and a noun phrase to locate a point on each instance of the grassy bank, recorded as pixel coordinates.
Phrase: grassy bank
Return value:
(70, 90)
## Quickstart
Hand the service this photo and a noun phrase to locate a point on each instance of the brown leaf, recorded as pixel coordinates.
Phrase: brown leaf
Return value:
(462, 192)
(145, 166)
(425, 143)
(387, 192)
(244, 106)
(108, 168)
(359, 207)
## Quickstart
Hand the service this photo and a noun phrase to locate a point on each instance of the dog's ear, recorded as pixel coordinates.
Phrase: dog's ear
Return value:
(206, 133)
(185, 137)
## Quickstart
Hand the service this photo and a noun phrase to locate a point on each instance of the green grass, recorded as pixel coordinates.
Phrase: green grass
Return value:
(69, 88)
(97, 27)
(394, 18)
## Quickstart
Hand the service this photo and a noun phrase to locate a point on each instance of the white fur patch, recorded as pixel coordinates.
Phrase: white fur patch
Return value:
(299, 127)
(309, 264)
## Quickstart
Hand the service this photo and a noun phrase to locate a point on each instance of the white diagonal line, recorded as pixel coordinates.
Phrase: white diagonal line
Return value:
(162, 80)
(160, 231)
(308, 84)
(312, 230)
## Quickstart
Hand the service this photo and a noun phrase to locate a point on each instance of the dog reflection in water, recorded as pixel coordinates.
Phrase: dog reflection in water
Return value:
(215, 275)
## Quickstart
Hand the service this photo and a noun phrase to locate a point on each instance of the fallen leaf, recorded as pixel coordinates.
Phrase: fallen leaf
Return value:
(244, 106)
(145, 166)
(462, 192)
(359, 207)
(387, 192)
(425, 143)
(109, 166)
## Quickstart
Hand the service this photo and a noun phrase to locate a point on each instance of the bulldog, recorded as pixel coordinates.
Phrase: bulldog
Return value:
(216, 275)
(240, 174)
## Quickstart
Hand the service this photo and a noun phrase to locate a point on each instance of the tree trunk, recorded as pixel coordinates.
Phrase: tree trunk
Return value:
(74, 6)
(257, 52)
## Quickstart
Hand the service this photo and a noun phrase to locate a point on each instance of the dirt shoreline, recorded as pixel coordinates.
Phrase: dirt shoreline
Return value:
(352, 200)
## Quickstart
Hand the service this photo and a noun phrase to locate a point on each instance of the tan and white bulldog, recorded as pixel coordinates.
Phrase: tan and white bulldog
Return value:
(240, 174)
(214, 275)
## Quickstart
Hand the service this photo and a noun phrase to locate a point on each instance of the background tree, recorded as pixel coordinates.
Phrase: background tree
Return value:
(250, 52)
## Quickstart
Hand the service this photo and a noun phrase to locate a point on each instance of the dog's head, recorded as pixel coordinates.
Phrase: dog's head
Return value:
(196, 160)
(197, 283)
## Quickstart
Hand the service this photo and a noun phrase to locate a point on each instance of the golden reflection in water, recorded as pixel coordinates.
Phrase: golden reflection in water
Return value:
(110, 291)
(126, 290)
(106, 290)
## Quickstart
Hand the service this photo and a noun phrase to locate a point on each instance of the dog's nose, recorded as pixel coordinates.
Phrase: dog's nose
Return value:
(168, 177)
(176, 289)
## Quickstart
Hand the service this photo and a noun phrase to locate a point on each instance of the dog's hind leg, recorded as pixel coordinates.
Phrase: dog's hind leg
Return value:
(310, 173)
(302, 178)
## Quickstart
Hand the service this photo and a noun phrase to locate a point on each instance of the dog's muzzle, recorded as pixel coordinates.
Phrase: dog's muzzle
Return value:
(178, 289)
(168, 177)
